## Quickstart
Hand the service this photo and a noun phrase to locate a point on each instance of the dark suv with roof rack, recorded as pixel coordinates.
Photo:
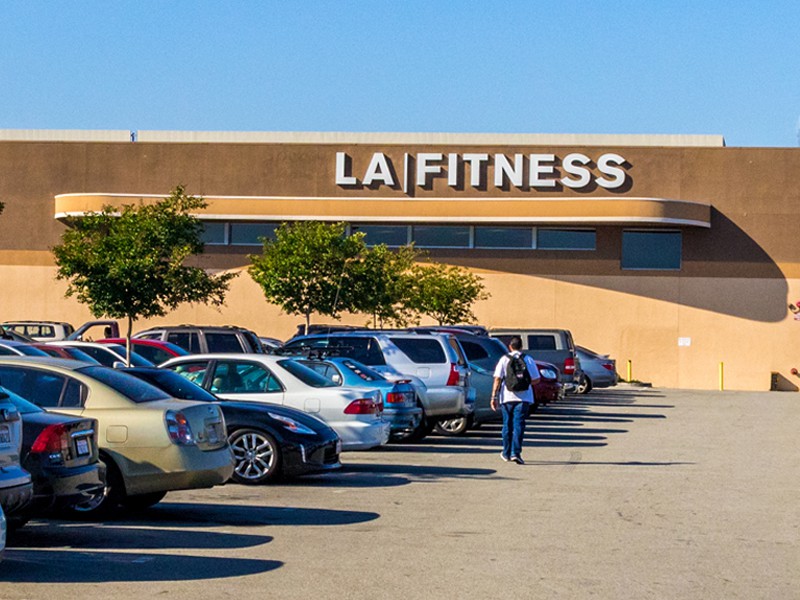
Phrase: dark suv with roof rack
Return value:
(205, 339)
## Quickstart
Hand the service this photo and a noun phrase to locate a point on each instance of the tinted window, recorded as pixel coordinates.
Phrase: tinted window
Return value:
(541, 342)
(153, 354)
(223, 342)
(74, 394)
(421, 350)
(305, 374)
(40, 387)
(132, 388)
(186, 340)
(363, 349)
(31, 351)
(194, 371)
(659, 250)
(7, 351)
(213, 233)
(391, 235)
(363, 371)
(251, 233)
(503, 237)
(174, 384)
(565, 239)
(232, 377)
(23, 406)
(441, 236)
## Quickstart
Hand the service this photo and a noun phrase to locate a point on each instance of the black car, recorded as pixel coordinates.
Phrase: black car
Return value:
(269, 441)
(61, 454)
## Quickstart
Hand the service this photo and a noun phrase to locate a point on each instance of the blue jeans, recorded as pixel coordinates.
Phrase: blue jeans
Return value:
(514, 414)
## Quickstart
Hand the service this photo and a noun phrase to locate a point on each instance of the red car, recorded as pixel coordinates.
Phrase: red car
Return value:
(156, 351)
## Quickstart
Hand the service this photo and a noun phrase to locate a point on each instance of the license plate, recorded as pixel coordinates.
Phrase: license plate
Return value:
(82, 446)
(213, 435)
(5, 434)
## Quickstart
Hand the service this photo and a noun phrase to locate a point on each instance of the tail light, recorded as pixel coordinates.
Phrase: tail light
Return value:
(569, 366)
(178, 428)
(362, 406)
(54, 441)
(454, 375)
(395, 398)
(608, 365)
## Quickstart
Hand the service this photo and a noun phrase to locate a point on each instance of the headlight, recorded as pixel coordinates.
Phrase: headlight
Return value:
(292, 425)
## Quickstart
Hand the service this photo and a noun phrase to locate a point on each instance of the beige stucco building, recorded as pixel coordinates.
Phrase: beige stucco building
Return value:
(677, 255)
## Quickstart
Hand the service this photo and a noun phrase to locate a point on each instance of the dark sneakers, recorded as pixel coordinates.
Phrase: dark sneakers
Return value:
(518, 460)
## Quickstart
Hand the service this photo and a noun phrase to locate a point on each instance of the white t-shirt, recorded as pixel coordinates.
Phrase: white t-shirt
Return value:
(507, 395)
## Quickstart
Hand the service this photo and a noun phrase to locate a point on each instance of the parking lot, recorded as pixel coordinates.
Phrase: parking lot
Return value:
(627, 493)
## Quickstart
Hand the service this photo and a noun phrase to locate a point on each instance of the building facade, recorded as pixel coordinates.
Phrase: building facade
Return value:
(677, 255)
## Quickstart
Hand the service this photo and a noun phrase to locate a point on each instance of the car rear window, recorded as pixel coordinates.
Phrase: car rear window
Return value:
(175, 385)
(129, 386)
(223, 342)
(420, 350)
(23, 406)
(541, 342)
(306, 375)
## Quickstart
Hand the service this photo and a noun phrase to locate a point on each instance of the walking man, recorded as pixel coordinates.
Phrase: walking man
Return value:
(514, 378)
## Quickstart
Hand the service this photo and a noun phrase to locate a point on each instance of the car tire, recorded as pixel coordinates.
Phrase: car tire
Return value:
(257, 455)
(104, 503)
(585, 385)
(142, 501)
(454, 427)
(422, 430)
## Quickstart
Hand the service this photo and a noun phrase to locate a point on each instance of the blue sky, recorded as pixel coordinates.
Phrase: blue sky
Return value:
(702, 67)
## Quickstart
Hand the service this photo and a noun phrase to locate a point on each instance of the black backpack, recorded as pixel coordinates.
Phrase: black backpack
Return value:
(518, 379)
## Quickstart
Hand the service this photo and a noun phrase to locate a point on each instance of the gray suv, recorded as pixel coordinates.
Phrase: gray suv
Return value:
(206, 339)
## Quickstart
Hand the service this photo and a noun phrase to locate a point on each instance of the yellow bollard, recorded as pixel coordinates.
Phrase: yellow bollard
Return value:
(630, 371)
(721, 377)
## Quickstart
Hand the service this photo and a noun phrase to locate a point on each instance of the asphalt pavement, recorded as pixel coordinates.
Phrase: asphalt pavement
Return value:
(627, 493)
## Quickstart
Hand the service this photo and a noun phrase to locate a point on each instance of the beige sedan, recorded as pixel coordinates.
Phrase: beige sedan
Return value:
(150, 442)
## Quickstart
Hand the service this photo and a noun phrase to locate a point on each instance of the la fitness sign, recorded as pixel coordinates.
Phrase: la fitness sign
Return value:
(524, 171)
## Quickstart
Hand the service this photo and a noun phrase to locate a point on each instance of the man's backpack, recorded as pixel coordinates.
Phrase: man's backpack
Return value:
(518, 379)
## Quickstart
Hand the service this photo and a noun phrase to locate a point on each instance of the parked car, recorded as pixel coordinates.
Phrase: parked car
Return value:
(205, 339)
(15, 348)
(269, 442)
(69, 352)
(16, 489)
(400, 404)
(150, 443)
(597, 370)
(10, 334)
(436, 359)
(61, 454)
(156, 351)
(41, 331)
(108, 355)
(354, 413)
(550, 345)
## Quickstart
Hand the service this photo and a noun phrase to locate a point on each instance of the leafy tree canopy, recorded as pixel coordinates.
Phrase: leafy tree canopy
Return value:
(309, 268)
(129, 263)
(383, 280)
(445, 293)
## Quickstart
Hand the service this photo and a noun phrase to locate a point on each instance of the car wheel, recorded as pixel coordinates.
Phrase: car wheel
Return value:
(257, 455)
(453, 427)
(585, 386)
(142, 501)
(421, 432)
(103, 503)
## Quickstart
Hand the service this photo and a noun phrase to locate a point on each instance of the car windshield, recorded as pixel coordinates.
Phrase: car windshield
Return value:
(129, 386)
(23, 406)
(306, 375)
(174, 384)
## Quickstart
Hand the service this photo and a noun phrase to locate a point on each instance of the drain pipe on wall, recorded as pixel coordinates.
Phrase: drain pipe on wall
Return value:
(721, 377)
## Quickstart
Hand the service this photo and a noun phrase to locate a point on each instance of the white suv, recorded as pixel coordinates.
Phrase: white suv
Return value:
(436, 359)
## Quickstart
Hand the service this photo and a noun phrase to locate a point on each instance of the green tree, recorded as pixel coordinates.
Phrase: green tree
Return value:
(446, 293)
(384, 283)
(129, 263)
(309, 268)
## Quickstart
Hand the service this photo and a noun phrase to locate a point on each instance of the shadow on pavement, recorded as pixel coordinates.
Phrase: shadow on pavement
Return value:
(76, 566)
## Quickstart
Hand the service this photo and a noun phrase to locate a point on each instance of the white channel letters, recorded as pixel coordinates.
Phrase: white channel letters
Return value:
(543, 171)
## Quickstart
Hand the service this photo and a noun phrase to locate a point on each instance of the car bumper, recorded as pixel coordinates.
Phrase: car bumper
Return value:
(362, 435)
(446, 401)
(65, 486)
(402, 420)
(17, 490)
(174, 468)
(314, 457)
